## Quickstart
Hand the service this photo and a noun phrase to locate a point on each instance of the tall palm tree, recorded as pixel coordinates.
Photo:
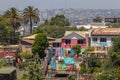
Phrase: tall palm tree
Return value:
(14, 17)
(31, 15)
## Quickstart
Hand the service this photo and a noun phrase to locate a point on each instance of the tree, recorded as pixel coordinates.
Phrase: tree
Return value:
(112, 68)
(14, 17)
(40, 44)
(71, 28)
(25, 55)
(83, 68)
(97, 19)
(59, 20)
(5, 31)
(83, 29)
(114, 53)
(51, 31)
(35, 72)
(77, 49)
(31, 15)
(93, 63)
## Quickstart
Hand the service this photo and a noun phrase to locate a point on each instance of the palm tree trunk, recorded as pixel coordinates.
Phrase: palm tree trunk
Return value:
(30, 25)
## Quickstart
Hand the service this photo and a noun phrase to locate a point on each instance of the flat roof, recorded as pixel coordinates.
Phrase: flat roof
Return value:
(7, 70)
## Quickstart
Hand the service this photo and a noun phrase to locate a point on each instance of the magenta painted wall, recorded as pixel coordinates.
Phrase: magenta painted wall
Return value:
(73, 42)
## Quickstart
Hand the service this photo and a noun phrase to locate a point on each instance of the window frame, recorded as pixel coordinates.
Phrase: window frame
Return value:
(68, 41)
(56, 45)
(103, 39)
(80, 41)
(94, 39)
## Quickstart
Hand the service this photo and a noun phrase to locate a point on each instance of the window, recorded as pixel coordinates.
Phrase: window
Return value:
(103, 39)
(56, 44)
(80, 41)
(94, 39)
(68, 41)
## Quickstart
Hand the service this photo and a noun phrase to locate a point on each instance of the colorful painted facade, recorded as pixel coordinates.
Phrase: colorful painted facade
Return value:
(74, 38)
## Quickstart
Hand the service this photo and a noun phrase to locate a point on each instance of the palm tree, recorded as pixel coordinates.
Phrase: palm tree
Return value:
(14, 17)
(31, 15)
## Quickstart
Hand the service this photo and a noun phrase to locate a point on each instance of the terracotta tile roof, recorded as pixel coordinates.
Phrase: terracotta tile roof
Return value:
(106, 31)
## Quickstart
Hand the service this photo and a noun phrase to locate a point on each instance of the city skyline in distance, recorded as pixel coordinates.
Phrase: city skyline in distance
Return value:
(57, 4)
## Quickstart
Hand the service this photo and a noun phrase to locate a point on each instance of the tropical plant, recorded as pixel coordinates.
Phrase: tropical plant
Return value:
(14, 17)
(31, 15)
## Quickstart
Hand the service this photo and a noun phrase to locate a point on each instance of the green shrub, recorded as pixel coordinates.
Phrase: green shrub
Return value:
(2, 63)
(90, 48)
(22, 65)
(25, 55)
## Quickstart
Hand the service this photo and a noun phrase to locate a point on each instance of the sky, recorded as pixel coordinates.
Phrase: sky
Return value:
(57, 4)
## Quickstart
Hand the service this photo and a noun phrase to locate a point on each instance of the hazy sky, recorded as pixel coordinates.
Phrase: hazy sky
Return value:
(55, 4)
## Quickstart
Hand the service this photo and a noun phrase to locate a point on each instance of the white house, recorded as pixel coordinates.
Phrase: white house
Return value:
(93, 25)
(103, 37)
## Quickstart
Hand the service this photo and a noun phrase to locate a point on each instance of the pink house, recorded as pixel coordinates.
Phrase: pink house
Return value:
(74, 38)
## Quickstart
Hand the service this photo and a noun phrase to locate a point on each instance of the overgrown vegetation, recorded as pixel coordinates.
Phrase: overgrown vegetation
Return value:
(111, 70)
(25, 55)
(35, 72)
(90, 48)
(77, 49)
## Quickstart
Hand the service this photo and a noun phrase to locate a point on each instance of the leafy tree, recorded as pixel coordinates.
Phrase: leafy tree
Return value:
(93, 63)
(112, 68)
(14, 17)
(40, 44)
(83, 29)
(53, 28)
(31, 15)
(46, 22)
(51, 31)
(77, 49)
(71, 28)
(5, 31)
(107, 75)
(83, 68)
(115, 52)
(59, 20)
(35, 72)
(97, 19)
